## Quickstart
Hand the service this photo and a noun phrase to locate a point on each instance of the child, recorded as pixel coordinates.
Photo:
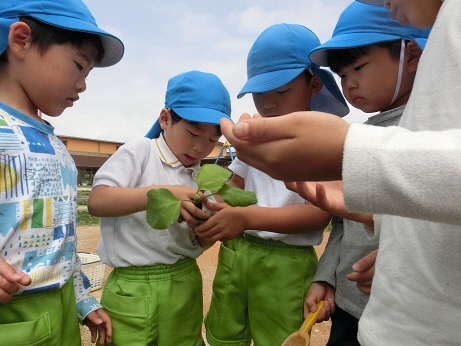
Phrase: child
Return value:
(267, 260)
(154, 294)
(47, 49)
(408, 174)
(376, 59)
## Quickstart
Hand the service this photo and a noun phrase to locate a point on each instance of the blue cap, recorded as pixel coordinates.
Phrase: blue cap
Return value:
(279, 55)
(196, 96)
(362, 25)
(65, 14)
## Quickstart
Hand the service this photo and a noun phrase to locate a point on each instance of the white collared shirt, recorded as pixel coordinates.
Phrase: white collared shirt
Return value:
(129, 240)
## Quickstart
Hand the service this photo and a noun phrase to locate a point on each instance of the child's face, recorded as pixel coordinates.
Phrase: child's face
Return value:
(420, 13)
(52, 81)
(190, 142)
(292, 97)
(369, 84)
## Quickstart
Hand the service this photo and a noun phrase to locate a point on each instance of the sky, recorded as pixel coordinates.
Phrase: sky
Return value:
(165, 38)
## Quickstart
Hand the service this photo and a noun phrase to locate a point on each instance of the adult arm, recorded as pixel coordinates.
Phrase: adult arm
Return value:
(386, 170)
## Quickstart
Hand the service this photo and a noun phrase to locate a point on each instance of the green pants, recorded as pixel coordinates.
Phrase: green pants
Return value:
(258, 292)
(44, 318)
(155, 305)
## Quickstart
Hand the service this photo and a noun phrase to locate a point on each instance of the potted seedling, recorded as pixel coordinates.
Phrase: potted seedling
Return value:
(163, 208)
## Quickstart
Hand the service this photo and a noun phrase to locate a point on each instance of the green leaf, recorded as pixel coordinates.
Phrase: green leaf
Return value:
(237, 197)
(212, 177)
(163, 208)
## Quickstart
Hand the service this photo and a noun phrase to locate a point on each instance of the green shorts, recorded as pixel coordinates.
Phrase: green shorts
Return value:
(155, 305)
(44, 318)
(258, 291)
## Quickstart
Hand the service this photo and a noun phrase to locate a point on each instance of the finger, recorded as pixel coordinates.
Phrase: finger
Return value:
(102, 335)
(94, 334)
(365, 287)
(291, 185)
(9, 287)
(306, 192)
(366, 262)
(214, 206)
(260, 129)
(321, 196)
(13, 274)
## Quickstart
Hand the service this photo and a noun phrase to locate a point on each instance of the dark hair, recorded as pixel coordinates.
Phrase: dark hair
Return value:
(45, 35)
(340, 58)
(308, 75)
(175, 118)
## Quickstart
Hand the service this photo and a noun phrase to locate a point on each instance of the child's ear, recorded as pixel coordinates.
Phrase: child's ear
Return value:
(19, 39)
(164, 118)
(413, 55)
(315, 86)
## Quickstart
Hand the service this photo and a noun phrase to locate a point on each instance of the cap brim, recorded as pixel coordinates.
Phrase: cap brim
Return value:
(113, 47)
(345, 41)
(354, 40)
(329, 99)
(268, 81)
(372, 2)
(199, 115)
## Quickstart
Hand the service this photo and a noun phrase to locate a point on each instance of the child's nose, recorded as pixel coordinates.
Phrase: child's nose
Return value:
(81, 85)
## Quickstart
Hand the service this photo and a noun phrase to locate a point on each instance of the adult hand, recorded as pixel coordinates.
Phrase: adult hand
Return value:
(364, 271)
(11, 280)
(329, 197)
(99, 323)
(295, 147)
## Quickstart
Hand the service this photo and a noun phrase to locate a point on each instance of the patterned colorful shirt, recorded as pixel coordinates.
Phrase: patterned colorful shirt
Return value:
(38, 207)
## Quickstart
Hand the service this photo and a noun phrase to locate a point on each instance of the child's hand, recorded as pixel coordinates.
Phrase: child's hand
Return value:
(364, 272)
(227, 223)
(189, 211)
(11, 280)
(99, 322)
(318, 291)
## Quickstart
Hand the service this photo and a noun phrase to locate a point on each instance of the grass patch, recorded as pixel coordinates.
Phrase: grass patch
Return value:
(85, 219)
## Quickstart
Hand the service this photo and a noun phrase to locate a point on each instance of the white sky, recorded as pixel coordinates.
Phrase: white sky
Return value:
(164, 38)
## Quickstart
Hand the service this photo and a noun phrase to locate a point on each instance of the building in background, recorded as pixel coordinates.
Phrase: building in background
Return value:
(90, 154)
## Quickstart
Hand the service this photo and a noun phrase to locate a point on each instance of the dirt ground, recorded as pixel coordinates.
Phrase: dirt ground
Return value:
(88, 238)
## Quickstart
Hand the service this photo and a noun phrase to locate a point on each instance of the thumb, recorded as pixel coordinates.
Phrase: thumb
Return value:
(12, 274)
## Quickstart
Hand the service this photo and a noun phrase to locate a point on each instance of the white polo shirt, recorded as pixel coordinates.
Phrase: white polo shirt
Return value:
(129, 240)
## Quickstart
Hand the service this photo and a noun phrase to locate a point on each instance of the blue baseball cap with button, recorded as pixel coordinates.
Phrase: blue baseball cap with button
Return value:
(362, 25)
(65, 14)
(196, 96)
(279, 55)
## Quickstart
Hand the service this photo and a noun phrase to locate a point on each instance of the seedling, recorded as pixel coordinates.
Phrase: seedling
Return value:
(163, 208)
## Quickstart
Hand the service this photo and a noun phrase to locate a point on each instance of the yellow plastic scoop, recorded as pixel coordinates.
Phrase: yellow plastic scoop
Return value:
(301, 337)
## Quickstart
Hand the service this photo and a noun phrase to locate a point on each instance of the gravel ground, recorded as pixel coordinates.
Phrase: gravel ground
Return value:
(88, 238)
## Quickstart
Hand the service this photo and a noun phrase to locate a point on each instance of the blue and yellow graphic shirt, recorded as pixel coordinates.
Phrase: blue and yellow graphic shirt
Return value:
(38, 207)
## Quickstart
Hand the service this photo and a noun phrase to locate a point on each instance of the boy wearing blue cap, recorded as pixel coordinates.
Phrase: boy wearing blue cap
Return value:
(154, 293)
(376, 59)
(47, 49)
(267, 260)
(410, 174)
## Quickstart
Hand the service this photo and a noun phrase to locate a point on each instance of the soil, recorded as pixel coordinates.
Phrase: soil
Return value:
(88, 238)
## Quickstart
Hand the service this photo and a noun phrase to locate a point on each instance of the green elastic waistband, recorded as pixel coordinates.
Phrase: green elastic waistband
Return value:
(273, 244)
(157, 272)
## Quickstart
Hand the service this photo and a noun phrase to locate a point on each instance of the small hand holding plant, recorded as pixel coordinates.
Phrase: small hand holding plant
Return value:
(163, 208)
